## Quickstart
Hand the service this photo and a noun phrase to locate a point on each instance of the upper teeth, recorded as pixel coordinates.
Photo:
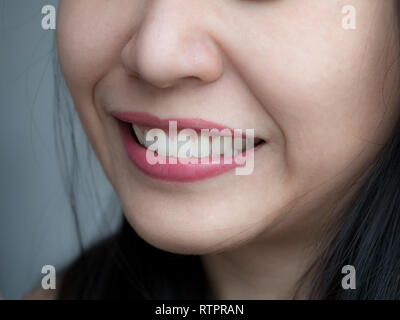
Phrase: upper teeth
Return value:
(139, 134)
(186, 146)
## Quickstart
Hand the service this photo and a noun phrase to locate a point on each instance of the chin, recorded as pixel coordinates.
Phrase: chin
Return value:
(197, 229)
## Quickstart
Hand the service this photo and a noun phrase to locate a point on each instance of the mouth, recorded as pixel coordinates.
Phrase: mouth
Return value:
(199, 145)
(185, 150)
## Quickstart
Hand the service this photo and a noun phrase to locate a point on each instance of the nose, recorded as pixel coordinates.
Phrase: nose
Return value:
(172, 44)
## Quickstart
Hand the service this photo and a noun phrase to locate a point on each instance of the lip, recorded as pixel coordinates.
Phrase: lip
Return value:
(148, 120)
(178, 172)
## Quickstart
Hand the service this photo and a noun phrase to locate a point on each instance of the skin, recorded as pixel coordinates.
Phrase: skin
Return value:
(324, 98)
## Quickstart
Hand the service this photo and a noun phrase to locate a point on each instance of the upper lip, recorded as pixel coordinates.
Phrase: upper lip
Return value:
(148, 120)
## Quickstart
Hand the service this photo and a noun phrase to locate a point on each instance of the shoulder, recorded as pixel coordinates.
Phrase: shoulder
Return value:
(41, 294)
(72, 278)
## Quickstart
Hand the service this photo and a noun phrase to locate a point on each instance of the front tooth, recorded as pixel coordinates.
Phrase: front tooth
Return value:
(172, 146)
(250, 142)
(185, 145)
(202, 146)
(139, 134)
(217, 146)
(155, 140)
(163, 143)
(239, 145)
(149, 140)
(227, 148)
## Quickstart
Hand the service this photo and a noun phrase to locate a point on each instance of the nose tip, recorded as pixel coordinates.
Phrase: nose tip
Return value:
(164, 58)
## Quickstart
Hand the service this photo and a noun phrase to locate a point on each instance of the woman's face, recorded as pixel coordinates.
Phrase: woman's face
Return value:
(321, 98)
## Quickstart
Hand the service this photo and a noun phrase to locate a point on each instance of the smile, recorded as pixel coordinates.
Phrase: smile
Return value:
(185, 150)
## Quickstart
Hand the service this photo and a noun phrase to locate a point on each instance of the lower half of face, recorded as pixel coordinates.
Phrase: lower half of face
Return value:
(320, 98)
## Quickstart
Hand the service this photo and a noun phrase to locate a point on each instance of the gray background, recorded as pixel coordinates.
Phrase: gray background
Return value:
(36, 224)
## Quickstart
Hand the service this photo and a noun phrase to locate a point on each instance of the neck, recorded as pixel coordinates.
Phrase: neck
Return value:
(257, 271)
(273, 266)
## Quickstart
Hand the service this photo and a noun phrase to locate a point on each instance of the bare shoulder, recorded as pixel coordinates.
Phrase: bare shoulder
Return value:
(41, 294)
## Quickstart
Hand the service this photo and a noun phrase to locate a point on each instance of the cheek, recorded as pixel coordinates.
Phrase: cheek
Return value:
(88, 48)
(91, 35)
(323, 88)
(334, 114)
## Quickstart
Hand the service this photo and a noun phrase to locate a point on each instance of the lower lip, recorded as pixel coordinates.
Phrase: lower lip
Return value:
(178, 172)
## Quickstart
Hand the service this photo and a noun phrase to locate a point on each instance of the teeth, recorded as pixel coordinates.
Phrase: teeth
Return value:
(217, 146)
(150, 139)
(162, 148)
(239, 145)
(202, 147)
(139, 133)
(198, 146)
(227, 146)
(186, 145)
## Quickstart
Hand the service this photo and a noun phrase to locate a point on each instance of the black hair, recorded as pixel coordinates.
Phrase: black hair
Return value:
(368, 237)
(124, 266)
